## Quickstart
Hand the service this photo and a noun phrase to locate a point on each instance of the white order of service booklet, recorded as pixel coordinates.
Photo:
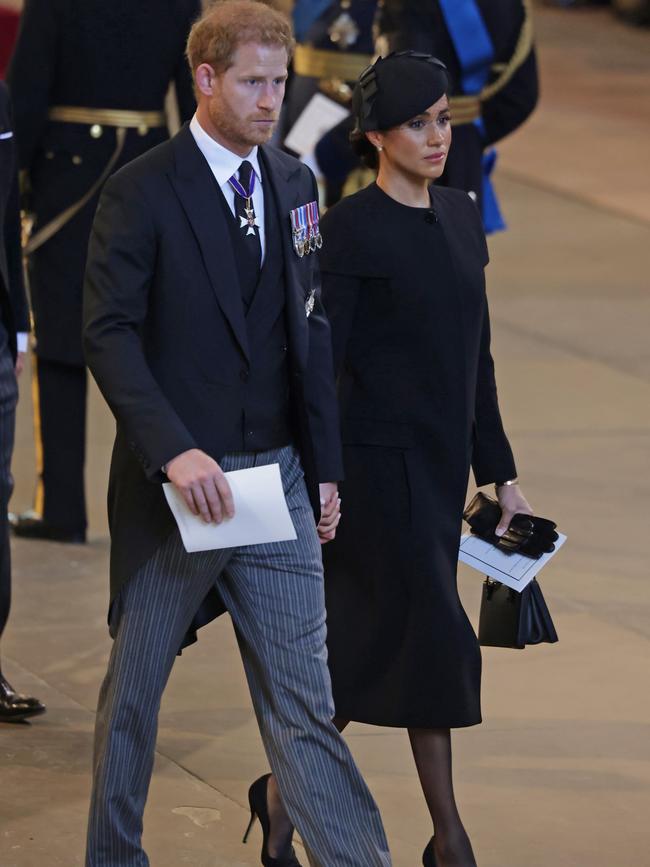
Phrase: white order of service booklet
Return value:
(319, 116)
(514, 570)
(261, 513)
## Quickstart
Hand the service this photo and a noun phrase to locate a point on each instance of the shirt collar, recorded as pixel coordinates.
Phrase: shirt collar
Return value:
(223, 163)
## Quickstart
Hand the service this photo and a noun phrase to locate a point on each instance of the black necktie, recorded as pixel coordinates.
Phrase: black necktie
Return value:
(244, 186)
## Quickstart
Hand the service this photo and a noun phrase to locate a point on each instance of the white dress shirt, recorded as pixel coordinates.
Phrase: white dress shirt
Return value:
(224, 164)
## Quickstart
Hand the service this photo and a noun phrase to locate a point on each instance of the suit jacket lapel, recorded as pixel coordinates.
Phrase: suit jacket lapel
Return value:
(282, 177)
(195, 187)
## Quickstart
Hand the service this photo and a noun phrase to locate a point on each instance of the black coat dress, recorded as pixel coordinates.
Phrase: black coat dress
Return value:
(405, 293)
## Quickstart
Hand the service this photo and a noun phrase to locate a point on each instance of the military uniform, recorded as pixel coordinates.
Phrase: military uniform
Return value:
(479, 121)
(334, 45)
(88, 80)
(14, 318)
(510, 94)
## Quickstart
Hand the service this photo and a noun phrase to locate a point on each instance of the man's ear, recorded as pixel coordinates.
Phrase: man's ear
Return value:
(204, 76)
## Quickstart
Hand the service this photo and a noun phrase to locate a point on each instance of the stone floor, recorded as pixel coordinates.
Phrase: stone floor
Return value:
(559, 773)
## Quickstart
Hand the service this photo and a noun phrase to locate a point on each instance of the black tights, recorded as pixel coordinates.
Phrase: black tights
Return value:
(432, 754)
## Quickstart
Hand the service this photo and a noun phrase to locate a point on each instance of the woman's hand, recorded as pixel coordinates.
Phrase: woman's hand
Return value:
(330, 512)
(512, 503)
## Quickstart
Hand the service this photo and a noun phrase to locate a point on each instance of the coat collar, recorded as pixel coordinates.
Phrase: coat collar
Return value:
(283, 173)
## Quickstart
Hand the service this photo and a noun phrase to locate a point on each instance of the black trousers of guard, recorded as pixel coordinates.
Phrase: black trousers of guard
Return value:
(61, 443)
(8, 401)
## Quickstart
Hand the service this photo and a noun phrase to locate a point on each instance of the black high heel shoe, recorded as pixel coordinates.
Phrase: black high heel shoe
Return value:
(257, 800)
(429, 855)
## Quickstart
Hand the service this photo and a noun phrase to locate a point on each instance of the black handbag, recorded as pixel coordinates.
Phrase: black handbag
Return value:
(512, 619)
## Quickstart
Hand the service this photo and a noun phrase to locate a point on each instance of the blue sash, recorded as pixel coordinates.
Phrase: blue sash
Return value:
(475, 51)
(306, 13)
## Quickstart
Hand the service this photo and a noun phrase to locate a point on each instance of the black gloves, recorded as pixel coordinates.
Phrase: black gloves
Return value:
(526, 534)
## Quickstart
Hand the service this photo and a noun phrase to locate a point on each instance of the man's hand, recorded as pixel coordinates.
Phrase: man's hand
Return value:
(512, 503)
(20, 363)
(203, 485)
(330, 514)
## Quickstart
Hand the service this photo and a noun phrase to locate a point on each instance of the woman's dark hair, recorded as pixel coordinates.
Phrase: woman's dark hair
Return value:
(366, 152)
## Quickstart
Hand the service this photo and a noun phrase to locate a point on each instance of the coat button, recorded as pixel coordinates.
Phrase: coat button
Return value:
(244, 375)
(77, 160)
(96, 130)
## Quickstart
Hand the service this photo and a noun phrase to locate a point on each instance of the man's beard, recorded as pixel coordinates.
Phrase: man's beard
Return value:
(240, 131)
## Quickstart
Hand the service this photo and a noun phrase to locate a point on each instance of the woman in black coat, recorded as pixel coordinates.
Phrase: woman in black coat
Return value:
(404, 289)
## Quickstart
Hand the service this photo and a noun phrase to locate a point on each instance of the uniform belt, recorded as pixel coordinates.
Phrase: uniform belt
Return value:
(317, 63)
(117, 117)
(96, 118)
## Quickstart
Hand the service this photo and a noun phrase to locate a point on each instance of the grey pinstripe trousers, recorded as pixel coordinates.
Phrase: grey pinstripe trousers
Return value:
(276, 600)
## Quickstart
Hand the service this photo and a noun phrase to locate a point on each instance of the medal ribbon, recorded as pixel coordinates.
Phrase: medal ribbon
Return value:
(299, 224)
(238, 188)
(314, 227)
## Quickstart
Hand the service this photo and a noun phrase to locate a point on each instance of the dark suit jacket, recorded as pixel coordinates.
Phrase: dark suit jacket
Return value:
(120, 54)
(166, 339)
(13, 303)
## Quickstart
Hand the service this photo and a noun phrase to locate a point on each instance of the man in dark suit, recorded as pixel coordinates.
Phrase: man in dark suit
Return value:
(88, 81)
(205, 332)
(14, 325)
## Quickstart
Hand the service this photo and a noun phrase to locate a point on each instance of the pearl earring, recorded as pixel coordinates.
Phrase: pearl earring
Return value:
(379, 148)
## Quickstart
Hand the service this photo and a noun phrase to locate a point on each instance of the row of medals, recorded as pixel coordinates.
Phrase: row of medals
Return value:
(304, 246)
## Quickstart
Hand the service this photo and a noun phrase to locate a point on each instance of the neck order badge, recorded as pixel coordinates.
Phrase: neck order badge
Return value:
(248, 220)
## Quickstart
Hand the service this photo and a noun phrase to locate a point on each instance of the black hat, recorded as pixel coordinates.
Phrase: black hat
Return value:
(396, 88)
